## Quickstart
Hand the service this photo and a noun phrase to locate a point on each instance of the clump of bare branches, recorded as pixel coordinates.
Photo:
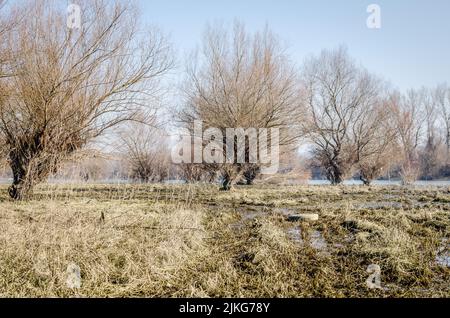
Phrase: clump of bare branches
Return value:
(69, 86)
(374, 136)
(147, 153)
(6, 25)
(441, 100)
(196, 172)
(250, 173)
(340, 97)
(244, 81)
(408, 117)
(294, 169)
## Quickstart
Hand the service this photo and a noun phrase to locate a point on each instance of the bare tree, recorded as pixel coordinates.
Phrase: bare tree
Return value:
(194, 173)
(87, 165)
(72, 85)
(241, 81)
(338, 96)
(374, 136)
(409, 120)
(430, 160)
(147, 152)
(250, 173)
(6, 24)
(294, 169)
(442, 103)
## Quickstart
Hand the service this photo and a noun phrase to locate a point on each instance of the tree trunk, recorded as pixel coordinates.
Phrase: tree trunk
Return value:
(408, 173)
(366, 181)
(21, 189)
(250, 174)
(334, 175)
(448, 146)
(28, 170)
(368, 173)
(226, 182)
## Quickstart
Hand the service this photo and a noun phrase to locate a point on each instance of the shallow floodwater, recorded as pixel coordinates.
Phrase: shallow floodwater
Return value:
(443, 255)
(379, 205)
(316, 238)
(62, 181)
(384, 182)
(310, 182)
(443, 260)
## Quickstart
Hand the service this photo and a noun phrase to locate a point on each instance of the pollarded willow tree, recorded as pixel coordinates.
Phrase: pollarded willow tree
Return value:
(241, 80)
(8, 21)
(5, 25)
(147, 152)
(339, 97)
(409, 119)
(441, 96)
(373, 135)
(71, 85)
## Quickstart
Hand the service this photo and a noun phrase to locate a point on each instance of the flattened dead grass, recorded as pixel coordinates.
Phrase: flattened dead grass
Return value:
(194, 241)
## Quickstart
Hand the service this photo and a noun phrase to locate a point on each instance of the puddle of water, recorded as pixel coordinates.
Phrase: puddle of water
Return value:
(438, 183)
(250, 214)
(443, 260)
(237, 226)
(338, 245)
(318, 241)
(316, 238)
(443, 255)
(390, 196)
(295, 234)
(379, 205)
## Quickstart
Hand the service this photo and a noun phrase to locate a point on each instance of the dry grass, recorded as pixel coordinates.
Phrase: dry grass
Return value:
(175, 241)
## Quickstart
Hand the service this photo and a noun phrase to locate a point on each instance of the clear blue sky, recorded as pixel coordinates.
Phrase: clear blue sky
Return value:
(410, 50)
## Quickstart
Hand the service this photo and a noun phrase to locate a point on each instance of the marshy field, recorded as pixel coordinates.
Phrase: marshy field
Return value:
(197, 241)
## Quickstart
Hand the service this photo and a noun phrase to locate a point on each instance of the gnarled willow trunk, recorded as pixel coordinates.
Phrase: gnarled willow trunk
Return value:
(335, 167)
(251, 173)
(21, 187)
(368, 173)
(334, 174)
(29, 168)
(226, 182)
(366, 181)
(230, 173)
